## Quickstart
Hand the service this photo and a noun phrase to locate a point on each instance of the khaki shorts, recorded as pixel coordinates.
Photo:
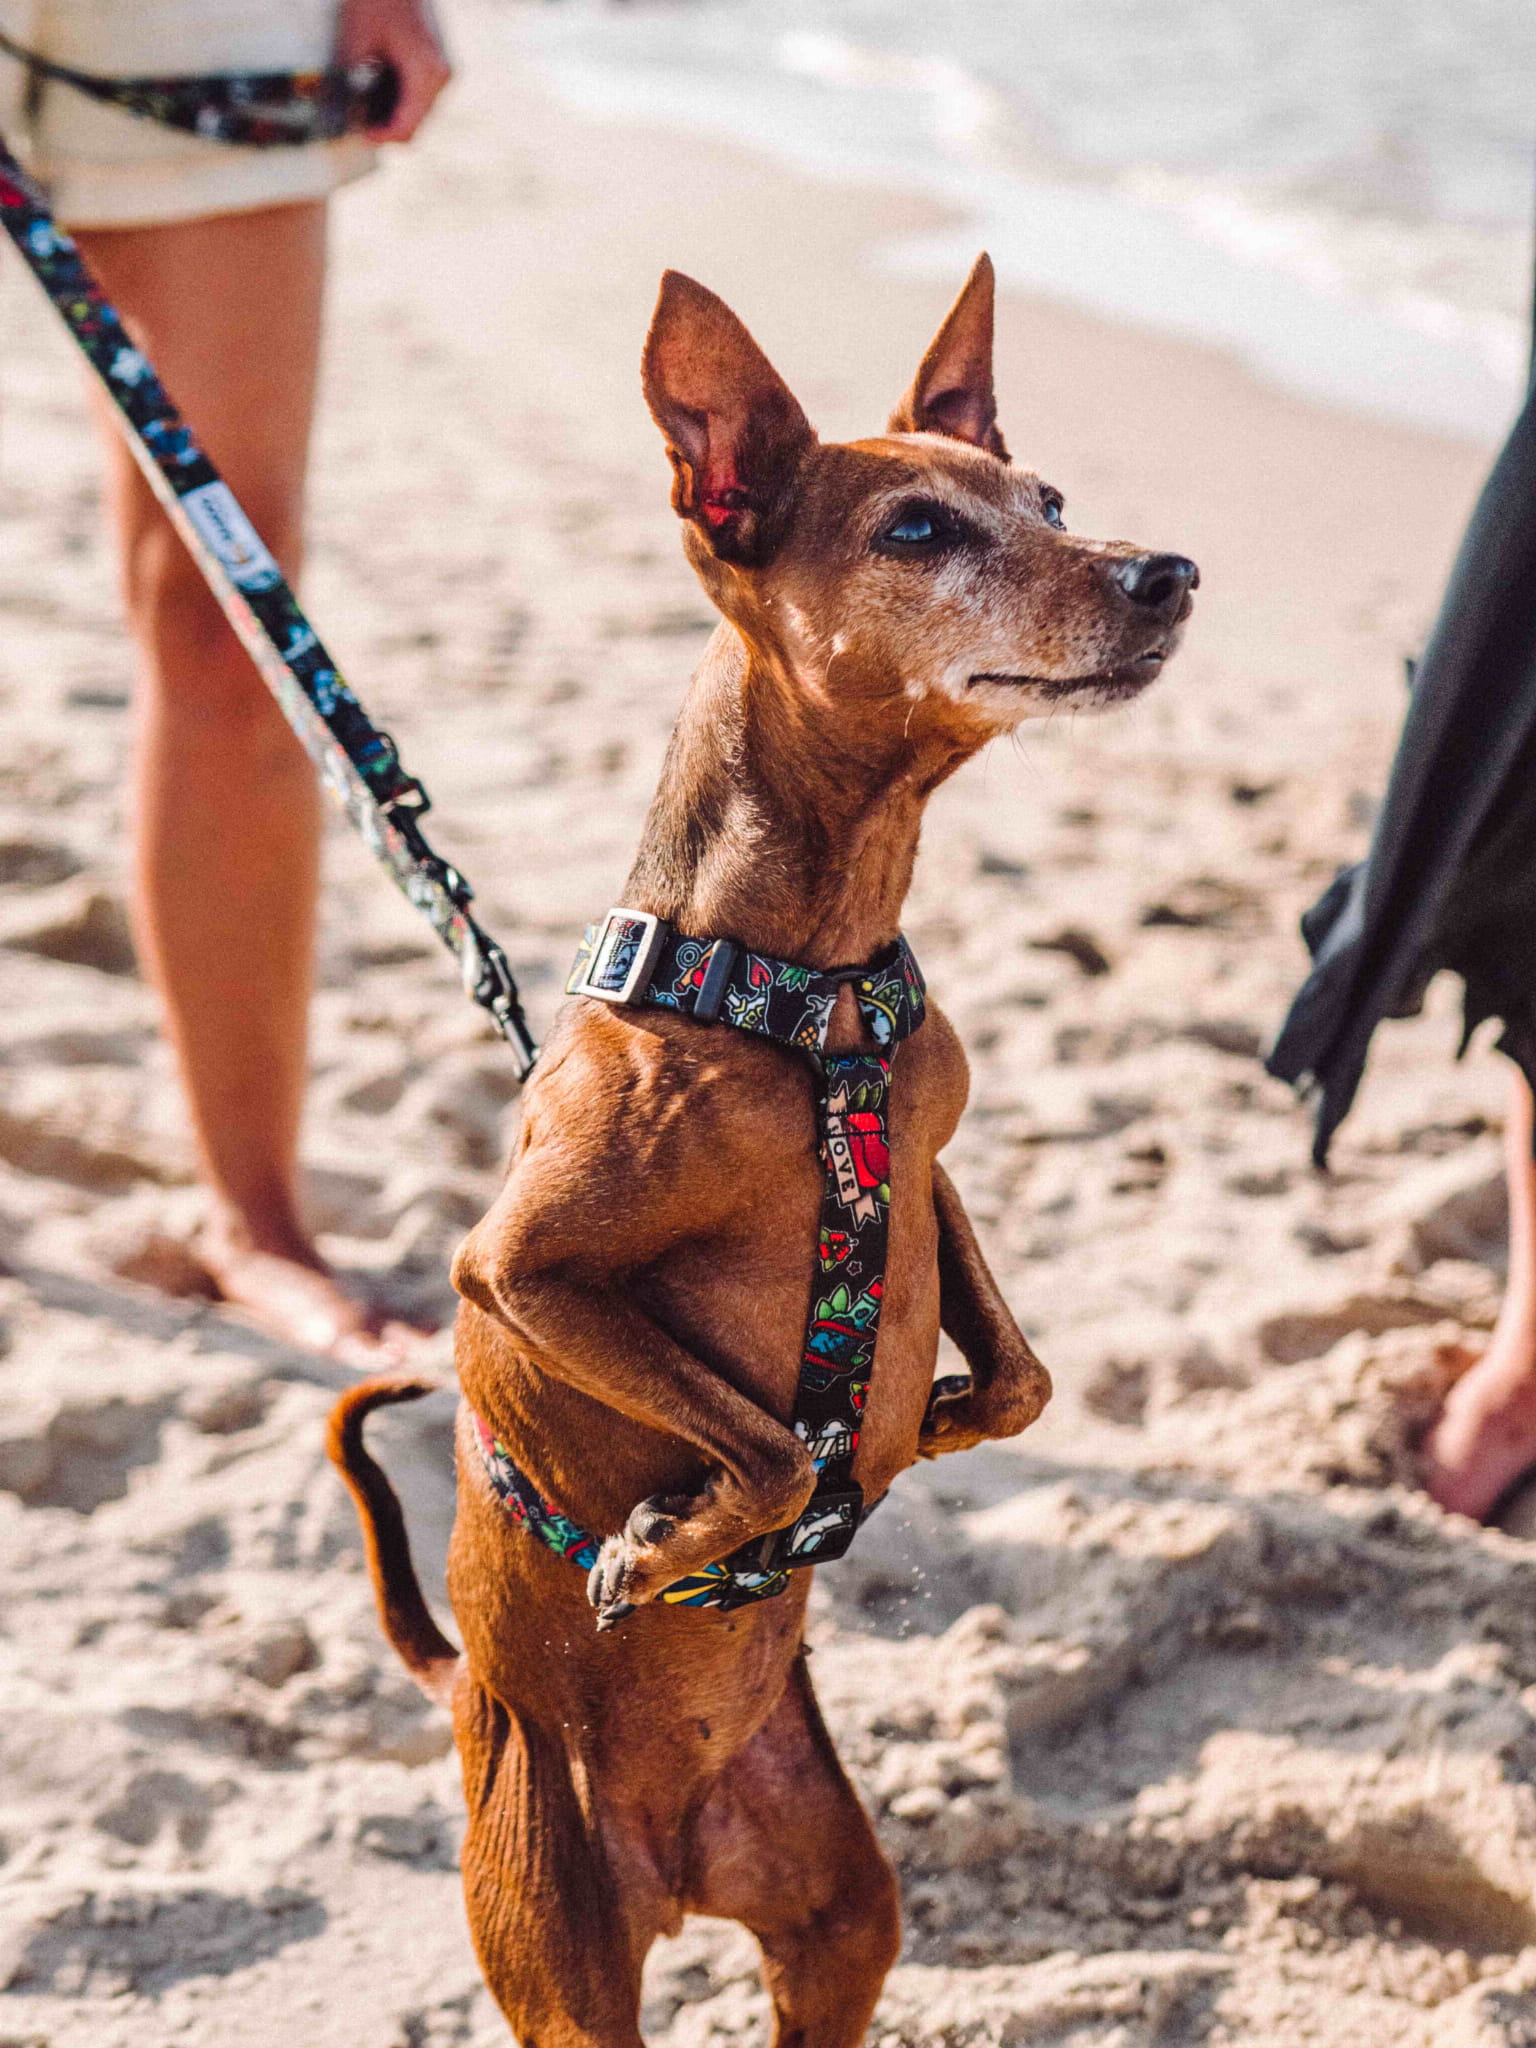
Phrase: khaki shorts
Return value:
(105, 167)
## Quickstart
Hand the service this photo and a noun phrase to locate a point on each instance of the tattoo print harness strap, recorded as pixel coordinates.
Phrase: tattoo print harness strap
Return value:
(635, 958)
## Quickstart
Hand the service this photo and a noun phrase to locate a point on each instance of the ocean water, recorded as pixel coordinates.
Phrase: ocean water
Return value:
(1339, 190)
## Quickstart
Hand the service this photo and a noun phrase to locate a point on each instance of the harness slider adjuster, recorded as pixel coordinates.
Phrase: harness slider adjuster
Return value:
(618, 968)
(710, 1000)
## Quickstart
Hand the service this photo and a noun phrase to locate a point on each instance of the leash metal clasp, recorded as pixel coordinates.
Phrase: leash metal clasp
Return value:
(620, 963)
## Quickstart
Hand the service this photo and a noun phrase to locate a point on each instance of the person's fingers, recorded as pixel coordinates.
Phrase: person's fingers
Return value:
(423, 70)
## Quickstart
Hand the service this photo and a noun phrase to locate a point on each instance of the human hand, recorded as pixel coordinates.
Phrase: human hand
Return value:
(404, 34)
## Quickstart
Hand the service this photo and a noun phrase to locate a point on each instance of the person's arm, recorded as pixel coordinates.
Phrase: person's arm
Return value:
(403, 33)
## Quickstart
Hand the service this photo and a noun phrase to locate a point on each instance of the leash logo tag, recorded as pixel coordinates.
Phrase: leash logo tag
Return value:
(620, 964)
(230, 538)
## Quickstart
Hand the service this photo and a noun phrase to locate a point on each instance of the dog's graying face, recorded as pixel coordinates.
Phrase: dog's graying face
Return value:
(953, 573)
(921, 567)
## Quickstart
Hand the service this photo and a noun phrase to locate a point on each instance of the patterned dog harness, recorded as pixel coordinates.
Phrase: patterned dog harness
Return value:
(634, 958)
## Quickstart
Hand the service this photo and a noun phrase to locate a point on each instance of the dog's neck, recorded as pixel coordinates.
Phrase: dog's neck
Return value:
(784, 819)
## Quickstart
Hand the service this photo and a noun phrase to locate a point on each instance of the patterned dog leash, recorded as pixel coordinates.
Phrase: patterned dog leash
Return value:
(259, 109)
(357, 762)
(632, 958)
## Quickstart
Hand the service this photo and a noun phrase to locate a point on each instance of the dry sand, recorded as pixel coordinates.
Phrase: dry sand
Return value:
(1186, 1720)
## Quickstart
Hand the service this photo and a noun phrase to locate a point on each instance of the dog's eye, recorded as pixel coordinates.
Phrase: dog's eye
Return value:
(917, 530)
(1055, 507)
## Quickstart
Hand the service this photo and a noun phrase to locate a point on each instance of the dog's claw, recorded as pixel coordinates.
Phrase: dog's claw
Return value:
(604, 1583)
(597, 1590)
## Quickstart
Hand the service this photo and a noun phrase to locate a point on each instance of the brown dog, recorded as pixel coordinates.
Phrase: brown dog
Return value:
(635, 1302)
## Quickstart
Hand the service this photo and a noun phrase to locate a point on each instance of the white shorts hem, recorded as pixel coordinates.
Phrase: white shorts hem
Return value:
(239, 180)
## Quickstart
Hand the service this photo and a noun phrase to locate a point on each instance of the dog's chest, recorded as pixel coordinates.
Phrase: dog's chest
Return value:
(741, 1294)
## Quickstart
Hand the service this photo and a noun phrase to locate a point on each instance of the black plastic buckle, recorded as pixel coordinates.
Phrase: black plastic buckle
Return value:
(825, 1529)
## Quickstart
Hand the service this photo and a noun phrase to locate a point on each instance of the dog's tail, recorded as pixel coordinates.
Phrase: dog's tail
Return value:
(407, 1620)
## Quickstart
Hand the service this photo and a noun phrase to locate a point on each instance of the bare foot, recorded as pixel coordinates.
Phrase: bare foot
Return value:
(294, 1295)
(1485, 1437)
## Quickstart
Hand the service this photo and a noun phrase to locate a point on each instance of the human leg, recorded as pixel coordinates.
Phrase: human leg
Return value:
(226, 805)
(1485, 1437)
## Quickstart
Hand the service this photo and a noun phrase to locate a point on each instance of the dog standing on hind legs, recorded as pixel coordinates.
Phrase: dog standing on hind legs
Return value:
(632, 1345)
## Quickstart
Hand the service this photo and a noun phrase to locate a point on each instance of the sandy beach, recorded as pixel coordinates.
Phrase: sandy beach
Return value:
(1185, 1718)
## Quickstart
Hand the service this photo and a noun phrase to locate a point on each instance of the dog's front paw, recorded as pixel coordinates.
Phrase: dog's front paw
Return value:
(670, 1535)
(630, 1571)
(950, 1423)
(962, 1414)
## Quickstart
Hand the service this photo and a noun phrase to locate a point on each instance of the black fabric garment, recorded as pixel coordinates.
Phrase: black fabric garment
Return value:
(1450, 880)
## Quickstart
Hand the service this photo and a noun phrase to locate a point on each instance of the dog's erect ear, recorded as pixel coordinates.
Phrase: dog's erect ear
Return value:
(952, 392)
(734, 429)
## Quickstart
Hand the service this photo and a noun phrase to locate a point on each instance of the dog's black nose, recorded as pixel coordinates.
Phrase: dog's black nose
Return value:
(1160, 583)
